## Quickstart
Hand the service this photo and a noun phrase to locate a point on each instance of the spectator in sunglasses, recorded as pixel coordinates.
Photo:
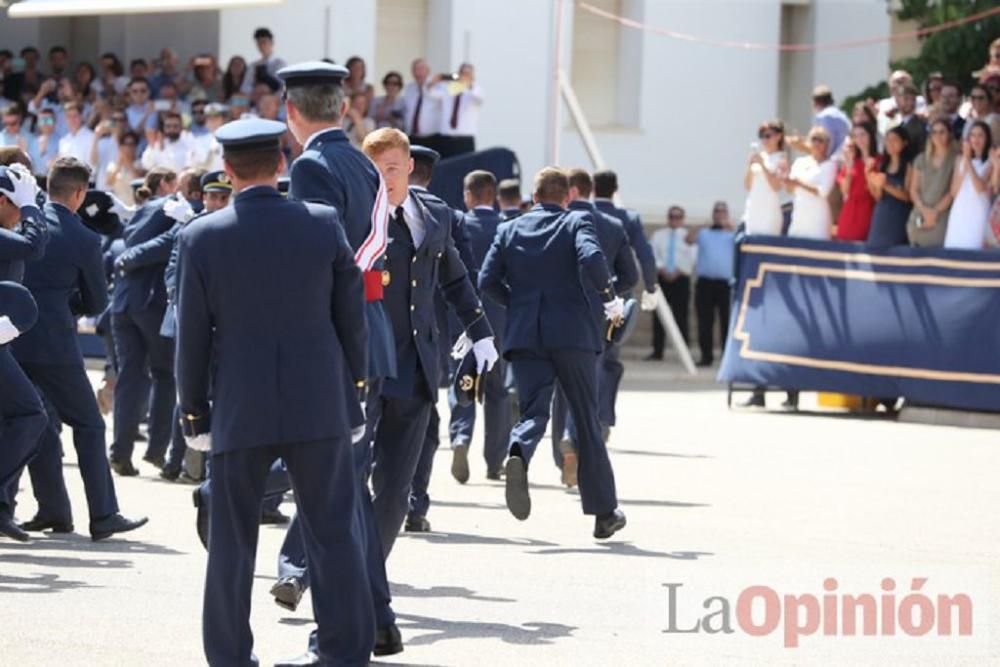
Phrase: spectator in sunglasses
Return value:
(389, 110)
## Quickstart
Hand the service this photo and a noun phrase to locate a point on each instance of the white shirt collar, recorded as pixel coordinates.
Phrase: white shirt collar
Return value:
(410, 209)
(483, 208)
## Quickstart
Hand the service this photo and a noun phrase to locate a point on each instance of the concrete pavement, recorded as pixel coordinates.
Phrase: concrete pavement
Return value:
(717, 501)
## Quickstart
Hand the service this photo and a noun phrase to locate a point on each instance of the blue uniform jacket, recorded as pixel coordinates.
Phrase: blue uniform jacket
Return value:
(67, 281)
(481, 226)
(24, 243)
(270, 315)
(332, 171)
(636, 238)
(534, 268)
(141, 285)
(409, 299)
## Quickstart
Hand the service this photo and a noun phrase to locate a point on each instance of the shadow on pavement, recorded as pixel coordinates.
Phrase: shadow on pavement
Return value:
(468, 505)
(465, 538)
(74, 542)
(407, 591)
(659, 503)
(639, 452)
(42, 583)
(533, 633)
(624, 549)
(63, 561)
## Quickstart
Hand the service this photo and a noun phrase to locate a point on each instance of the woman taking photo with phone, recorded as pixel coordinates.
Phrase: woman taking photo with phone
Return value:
(767, 167)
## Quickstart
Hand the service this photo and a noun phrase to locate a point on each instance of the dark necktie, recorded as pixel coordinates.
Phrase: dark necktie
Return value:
(403, 229)
(415, 130)
(454, 111)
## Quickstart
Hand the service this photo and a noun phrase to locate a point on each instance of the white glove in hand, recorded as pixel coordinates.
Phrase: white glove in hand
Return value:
(25, 186)
(648, 300)
(121, 209)
(486, 354)
(200, 443)
(614, 309)
(178, 209)
(461, 347)
(357, 434)
(8, 331)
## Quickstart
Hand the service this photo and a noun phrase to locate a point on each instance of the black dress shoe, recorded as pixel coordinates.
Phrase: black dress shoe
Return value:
(156, 461)
(170, 474)
(307, 658)
(287, 593)
(609, 524)
(704, 363)
(388, 641)
(755, 401)
(417, 524)
(12, 530)
(114, 524)
(495, 475)
(460, 463)
(124, 468)
(274, 517)
(201, 520)
(39, 524)
(518, 500)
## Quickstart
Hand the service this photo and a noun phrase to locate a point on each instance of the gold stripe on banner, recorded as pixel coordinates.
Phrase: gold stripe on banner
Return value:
(851, 367)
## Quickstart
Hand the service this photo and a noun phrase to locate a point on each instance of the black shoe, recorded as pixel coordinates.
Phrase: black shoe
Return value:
(201, 520)
(417, 524)
(170, 474)
(155, 461)
(609, 524)
(388, 641)
(12, 530)
(704, 363)
(273, 517)
(653, 356)
(39, 524)
(113, 524)
(755, 401)
(518, 500)
(494, 475)
(460, 463)
(124, 468)
(791, 404)
(307, 658)
(287, 593)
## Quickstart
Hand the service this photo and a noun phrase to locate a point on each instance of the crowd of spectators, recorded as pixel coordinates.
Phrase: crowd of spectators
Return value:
(160, 113)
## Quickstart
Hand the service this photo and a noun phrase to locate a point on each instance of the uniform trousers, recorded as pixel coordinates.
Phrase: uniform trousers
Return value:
(711, 296)
(22, 420)
(497, 420)
(69, 398)
(322, 475)
(677, 292)
(142, 352)
(563, 424)
(420, 499)
(535, 373)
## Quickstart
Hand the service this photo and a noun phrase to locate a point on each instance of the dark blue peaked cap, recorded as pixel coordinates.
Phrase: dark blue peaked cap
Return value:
(424, 154)
(17, 303)
(312, 73)
(250, 134)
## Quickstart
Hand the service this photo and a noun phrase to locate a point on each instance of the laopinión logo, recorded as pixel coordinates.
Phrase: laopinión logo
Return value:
(761, 611)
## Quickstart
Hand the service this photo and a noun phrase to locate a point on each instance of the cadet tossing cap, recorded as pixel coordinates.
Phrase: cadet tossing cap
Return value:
(216, 181)
(312, 73)
(424, 154)
(250, 134)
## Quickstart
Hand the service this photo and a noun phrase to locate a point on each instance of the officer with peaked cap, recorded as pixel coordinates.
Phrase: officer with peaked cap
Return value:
(331, 170)
(281, 386)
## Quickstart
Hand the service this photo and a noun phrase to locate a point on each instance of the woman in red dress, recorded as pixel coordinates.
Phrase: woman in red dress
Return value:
(860, 157)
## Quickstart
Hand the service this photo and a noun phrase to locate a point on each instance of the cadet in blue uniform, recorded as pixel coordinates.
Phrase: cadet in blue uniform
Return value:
(424, 160)
(282, 363)
(421, 257)
(614, 244)
(138, 305)
(332, 171)
(537, 268)
(509, 198)
(23, 235)
(481, 222)
(605, 187)
(68, 281)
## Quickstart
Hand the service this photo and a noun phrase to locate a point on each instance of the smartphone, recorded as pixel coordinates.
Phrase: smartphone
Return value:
(161, 105)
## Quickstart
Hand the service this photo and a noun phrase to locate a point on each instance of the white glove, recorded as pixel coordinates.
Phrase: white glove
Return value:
(486, 354)
(461, 347)
(25, 190)
(121, 209)
(200, 443)
(178, 209)
(8, 331)
(357, 434)
(648, 300)
(614, 309)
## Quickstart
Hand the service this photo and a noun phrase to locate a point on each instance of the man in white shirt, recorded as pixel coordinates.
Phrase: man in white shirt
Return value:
(675, 259)
(423, 111)
(78, 139)
(172, 147)
(461, 100)
(267, 66)
(889, 106)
